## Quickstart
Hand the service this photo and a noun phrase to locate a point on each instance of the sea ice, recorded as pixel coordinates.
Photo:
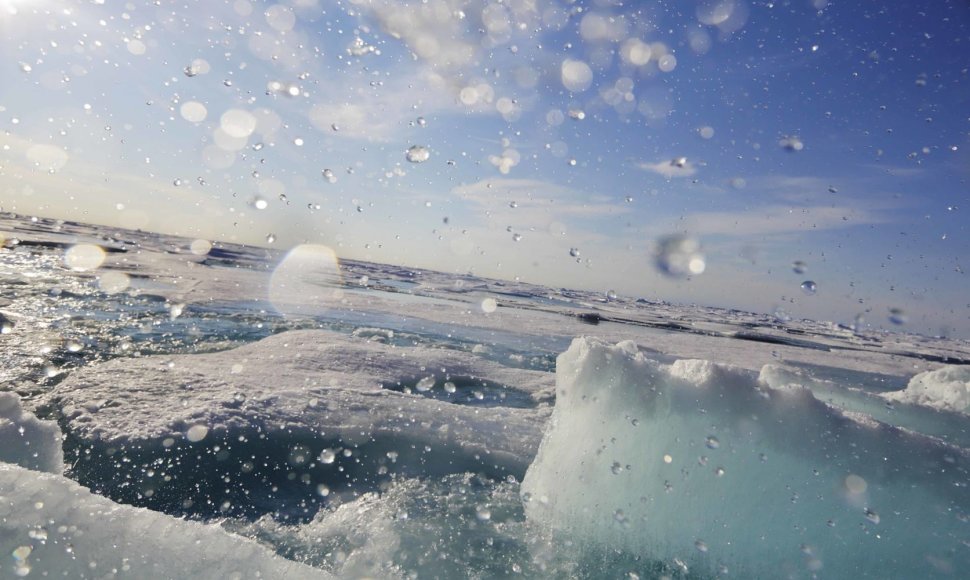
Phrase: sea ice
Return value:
(54, 527)
(320, 382)
(26, 440)
(700, 466)
(290, 414)
(945, 389)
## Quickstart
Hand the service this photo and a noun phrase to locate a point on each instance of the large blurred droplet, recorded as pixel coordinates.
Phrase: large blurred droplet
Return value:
(809, 287)
(112, 282)
(417, 154)
(200, 247)
(678, 255)
(84, 257)
(196, 433)
(328, 456)
(307, 282)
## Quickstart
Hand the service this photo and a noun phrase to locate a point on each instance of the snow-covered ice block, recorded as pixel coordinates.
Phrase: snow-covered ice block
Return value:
(699, 465)
(312, 381)
(946, 389)
(52, 527)
(26, 440)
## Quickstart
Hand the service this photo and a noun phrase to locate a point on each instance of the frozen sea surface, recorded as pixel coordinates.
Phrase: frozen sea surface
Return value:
(314, 415)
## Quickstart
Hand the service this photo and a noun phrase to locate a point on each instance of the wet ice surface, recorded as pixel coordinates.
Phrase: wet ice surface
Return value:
(375, 420)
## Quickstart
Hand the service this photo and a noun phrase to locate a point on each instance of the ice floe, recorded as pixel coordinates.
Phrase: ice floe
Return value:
(700, 464)
(946, 388)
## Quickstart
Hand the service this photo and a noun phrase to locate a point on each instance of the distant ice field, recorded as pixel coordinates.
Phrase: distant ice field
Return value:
(322, 416)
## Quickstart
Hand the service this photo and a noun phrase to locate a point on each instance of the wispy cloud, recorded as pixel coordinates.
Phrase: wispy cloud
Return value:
(677, 167)
(535, 200)
(778, 219)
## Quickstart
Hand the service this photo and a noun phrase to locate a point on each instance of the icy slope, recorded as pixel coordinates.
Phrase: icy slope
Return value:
(54, 527)
(27, 441)
(701, 465)
(51, 526)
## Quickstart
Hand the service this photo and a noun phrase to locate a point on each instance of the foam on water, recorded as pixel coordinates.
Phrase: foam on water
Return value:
(701, 464)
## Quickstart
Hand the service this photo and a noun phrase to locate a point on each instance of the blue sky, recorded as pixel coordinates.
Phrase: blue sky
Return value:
(835, 133)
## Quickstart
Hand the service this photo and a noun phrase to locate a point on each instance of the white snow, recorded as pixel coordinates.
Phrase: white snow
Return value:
(699, 463)
(56, 528)
(26, 440)
(946, 389)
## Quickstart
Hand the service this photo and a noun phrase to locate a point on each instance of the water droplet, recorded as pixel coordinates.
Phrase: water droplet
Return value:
(191, 70)
(712, 442)
(616, 468)
(700, 545)
(678, 162)
(833, 189)
(298, 142)
(577, 114)
(719, 471)
(421, 122)
(25, 67)
(791, 143)
(872, 516)
(489, 305)
(574, 252)
(196, 433)
(329, 175)
(177, 182)
(259, 203)
(450, 388)
(175, 310)
(898, 316)
(417, 154)
(809, 288)
(611, 295)
(425, 384)
(257, 146)
(328, 456)
(678, 256)
(483, 513)
(668, 459)
(270, 238)
(516, 237)
(799, 267)
(513, 204)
